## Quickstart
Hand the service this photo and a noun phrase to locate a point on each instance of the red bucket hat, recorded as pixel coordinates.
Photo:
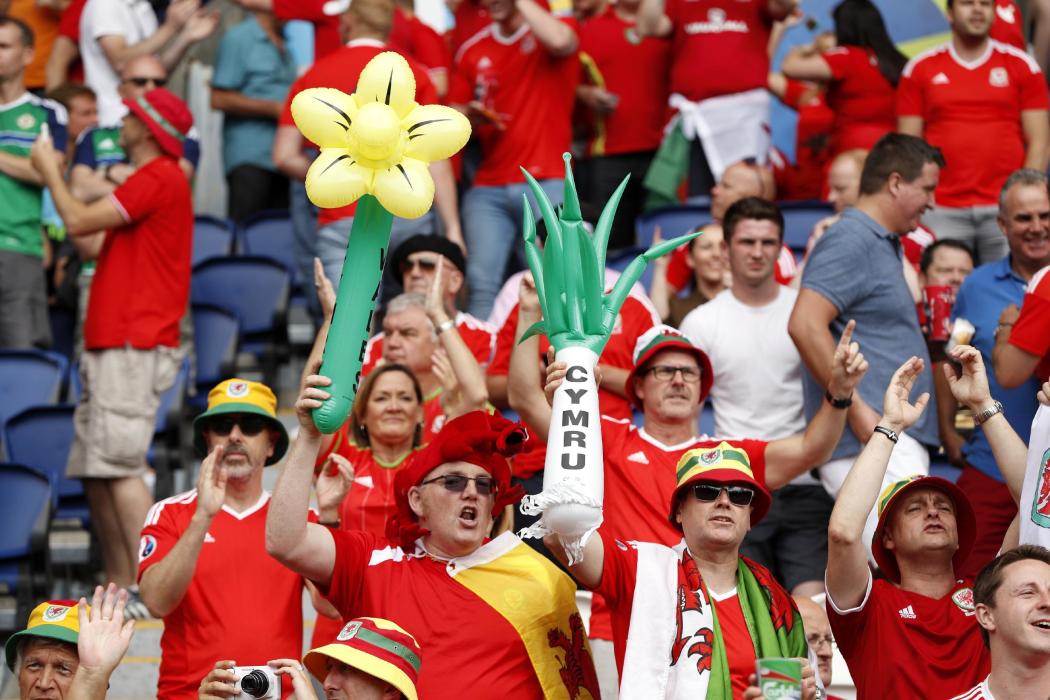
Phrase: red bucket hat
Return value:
(477, 438)
(965, 520)
(660, 338)
(166, 116)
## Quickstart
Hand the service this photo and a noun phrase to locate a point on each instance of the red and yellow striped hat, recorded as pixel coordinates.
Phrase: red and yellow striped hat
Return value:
(376, 646)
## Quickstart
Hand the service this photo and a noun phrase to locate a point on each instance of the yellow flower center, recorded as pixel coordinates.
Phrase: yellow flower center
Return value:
(377, 131)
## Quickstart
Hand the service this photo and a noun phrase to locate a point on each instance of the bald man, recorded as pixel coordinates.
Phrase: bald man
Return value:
(818, 635)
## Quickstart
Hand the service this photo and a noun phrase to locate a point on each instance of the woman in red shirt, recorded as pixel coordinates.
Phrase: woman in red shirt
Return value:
(861, 74)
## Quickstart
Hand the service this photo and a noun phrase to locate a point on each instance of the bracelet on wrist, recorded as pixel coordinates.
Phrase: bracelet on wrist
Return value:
(838, 403)
(983, 416)
(891, 434)
(445, 325)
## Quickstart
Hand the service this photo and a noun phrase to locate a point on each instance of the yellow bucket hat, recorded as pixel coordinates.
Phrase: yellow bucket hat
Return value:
(241, 396)
(723, 464)
(376, 646)
(52, 619)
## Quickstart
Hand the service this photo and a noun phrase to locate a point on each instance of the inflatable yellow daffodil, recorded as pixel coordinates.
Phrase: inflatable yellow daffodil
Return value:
(377, 141)
(375, 146)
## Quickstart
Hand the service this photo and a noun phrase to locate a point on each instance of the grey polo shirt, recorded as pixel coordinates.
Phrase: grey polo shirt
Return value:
(857, 266)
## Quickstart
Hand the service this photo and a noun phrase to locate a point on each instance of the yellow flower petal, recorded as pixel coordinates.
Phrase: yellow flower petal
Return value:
(387, 79)
(435, 132)
(405, 189)
(335, 179)
(324, 115)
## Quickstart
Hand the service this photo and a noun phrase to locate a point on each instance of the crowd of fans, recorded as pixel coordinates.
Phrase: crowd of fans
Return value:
(913, 328)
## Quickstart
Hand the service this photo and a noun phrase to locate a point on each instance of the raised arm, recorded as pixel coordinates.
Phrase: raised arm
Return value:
(792, 456)
(653, 19)
(587, 571)
(288, 152)
(163, 585)
(848, 575)
(806, 63)
(971, 389)
(304, 547)
(555, 36)
(524, 382)
(1013, 366)
(102, 641)
(466, 373)
(1036, 131)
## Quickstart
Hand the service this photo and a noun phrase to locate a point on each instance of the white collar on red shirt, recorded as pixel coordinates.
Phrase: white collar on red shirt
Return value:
(366, 42)
(263, 498)
(977, 62)
(669, 448)
(508, 40)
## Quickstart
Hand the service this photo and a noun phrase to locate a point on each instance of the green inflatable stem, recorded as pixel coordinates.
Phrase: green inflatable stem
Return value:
(344, 350)
(570, 272)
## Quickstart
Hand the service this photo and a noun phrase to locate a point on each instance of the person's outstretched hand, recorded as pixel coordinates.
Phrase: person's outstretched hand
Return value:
(898, 413)
(848, 365)
(104, 634)
(295, 671)
(970, 389)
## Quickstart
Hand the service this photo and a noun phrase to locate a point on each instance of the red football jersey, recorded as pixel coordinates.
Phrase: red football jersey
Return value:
(862, 100)
(720, 46)
(1007, 27)
(478, 652)
(471, 18)
(972, 112)
(142, 279)
(981, 691)
(529, 91)
(891, 628)
(479, 336)
(915, 242)
(805, 179)
(613, 56)
(1031, 332)
(241, 603)
(327, 38)
(340, 70)
(410, 35)
(639, 480)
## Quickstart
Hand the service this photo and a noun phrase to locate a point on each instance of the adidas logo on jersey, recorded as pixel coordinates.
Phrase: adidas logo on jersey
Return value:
(208, 539)
(907, 613)
(940, 79)
(638, 457)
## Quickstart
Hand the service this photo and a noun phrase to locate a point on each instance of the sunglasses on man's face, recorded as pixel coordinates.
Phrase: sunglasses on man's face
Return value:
(143, 82)
(457, 483)
(709, 493)
(424, 264)
(249, 425)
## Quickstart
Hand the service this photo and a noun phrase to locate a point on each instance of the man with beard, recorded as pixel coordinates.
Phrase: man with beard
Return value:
(203, 565)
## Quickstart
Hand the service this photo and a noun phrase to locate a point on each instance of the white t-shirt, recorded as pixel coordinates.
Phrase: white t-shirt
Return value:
(132, 19)
(757, 391)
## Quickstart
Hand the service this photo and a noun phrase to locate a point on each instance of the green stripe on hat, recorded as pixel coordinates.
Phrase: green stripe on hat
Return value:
(161, 121)
(660, 340)
(892, 490)
(726, 455)
(390, 646)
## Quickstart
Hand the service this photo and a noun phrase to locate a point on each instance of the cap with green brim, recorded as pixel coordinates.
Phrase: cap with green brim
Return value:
(241, 396)
(53, 619)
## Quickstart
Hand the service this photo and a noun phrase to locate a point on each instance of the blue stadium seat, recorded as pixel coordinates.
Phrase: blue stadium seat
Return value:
(212, 238)
(269, 234)
(29, 378)
(673, 221)
(25, 497)
(215, 332)
(799, 220)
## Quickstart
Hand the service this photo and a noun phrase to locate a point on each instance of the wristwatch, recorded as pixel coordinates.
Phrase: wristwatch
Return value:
(838, 403)
(983, 416)
(445, 325)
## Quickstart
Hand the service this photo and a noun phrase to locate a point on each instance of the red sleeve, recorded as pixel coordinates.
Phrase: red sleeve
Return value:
(1033, 89)
(638, 317)
(756, 453)
(787, 267)
(500, 365)
(839, 61)
(909, 96)
(672, 8)
(137, 196)
(619, 573)
(69, 24)
(429, 48)
(373, 351)
(793, 91)
(1031, 332)
(678, 271)
(352, 553)
(309, 10)
(159, 535)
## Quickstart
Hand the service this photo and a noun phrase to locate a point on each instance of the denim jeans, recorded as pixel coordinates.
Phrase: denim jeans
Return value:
(492, 220)
(332, 239)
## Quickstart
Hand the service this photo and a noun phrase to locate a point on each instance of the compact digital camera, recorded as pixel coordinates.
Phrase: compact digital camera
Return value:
(257, 682)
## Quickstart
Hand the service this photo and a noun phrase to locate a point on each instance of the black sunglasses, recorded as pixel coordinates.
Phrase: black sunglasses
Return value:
(143, 82)
(738, 495)
(425, 264)
(250, 425)
(457, 483)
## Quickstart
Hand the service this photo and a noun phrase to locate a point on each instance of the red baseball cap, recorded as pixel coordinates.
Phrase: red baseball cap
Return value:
(166, 116)
(660, 338)
(965, 520)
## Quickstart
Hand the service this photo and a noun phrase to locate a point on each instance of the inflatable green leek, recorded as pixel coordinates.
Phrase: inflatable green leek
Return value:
(578, 318)
(375, 146)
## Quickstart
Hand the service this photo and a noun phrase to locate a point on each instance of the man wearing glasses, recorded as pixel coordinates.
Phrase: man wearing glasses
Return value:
(415, 264)
(501, 618)
(691, 620)
(203, 565)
